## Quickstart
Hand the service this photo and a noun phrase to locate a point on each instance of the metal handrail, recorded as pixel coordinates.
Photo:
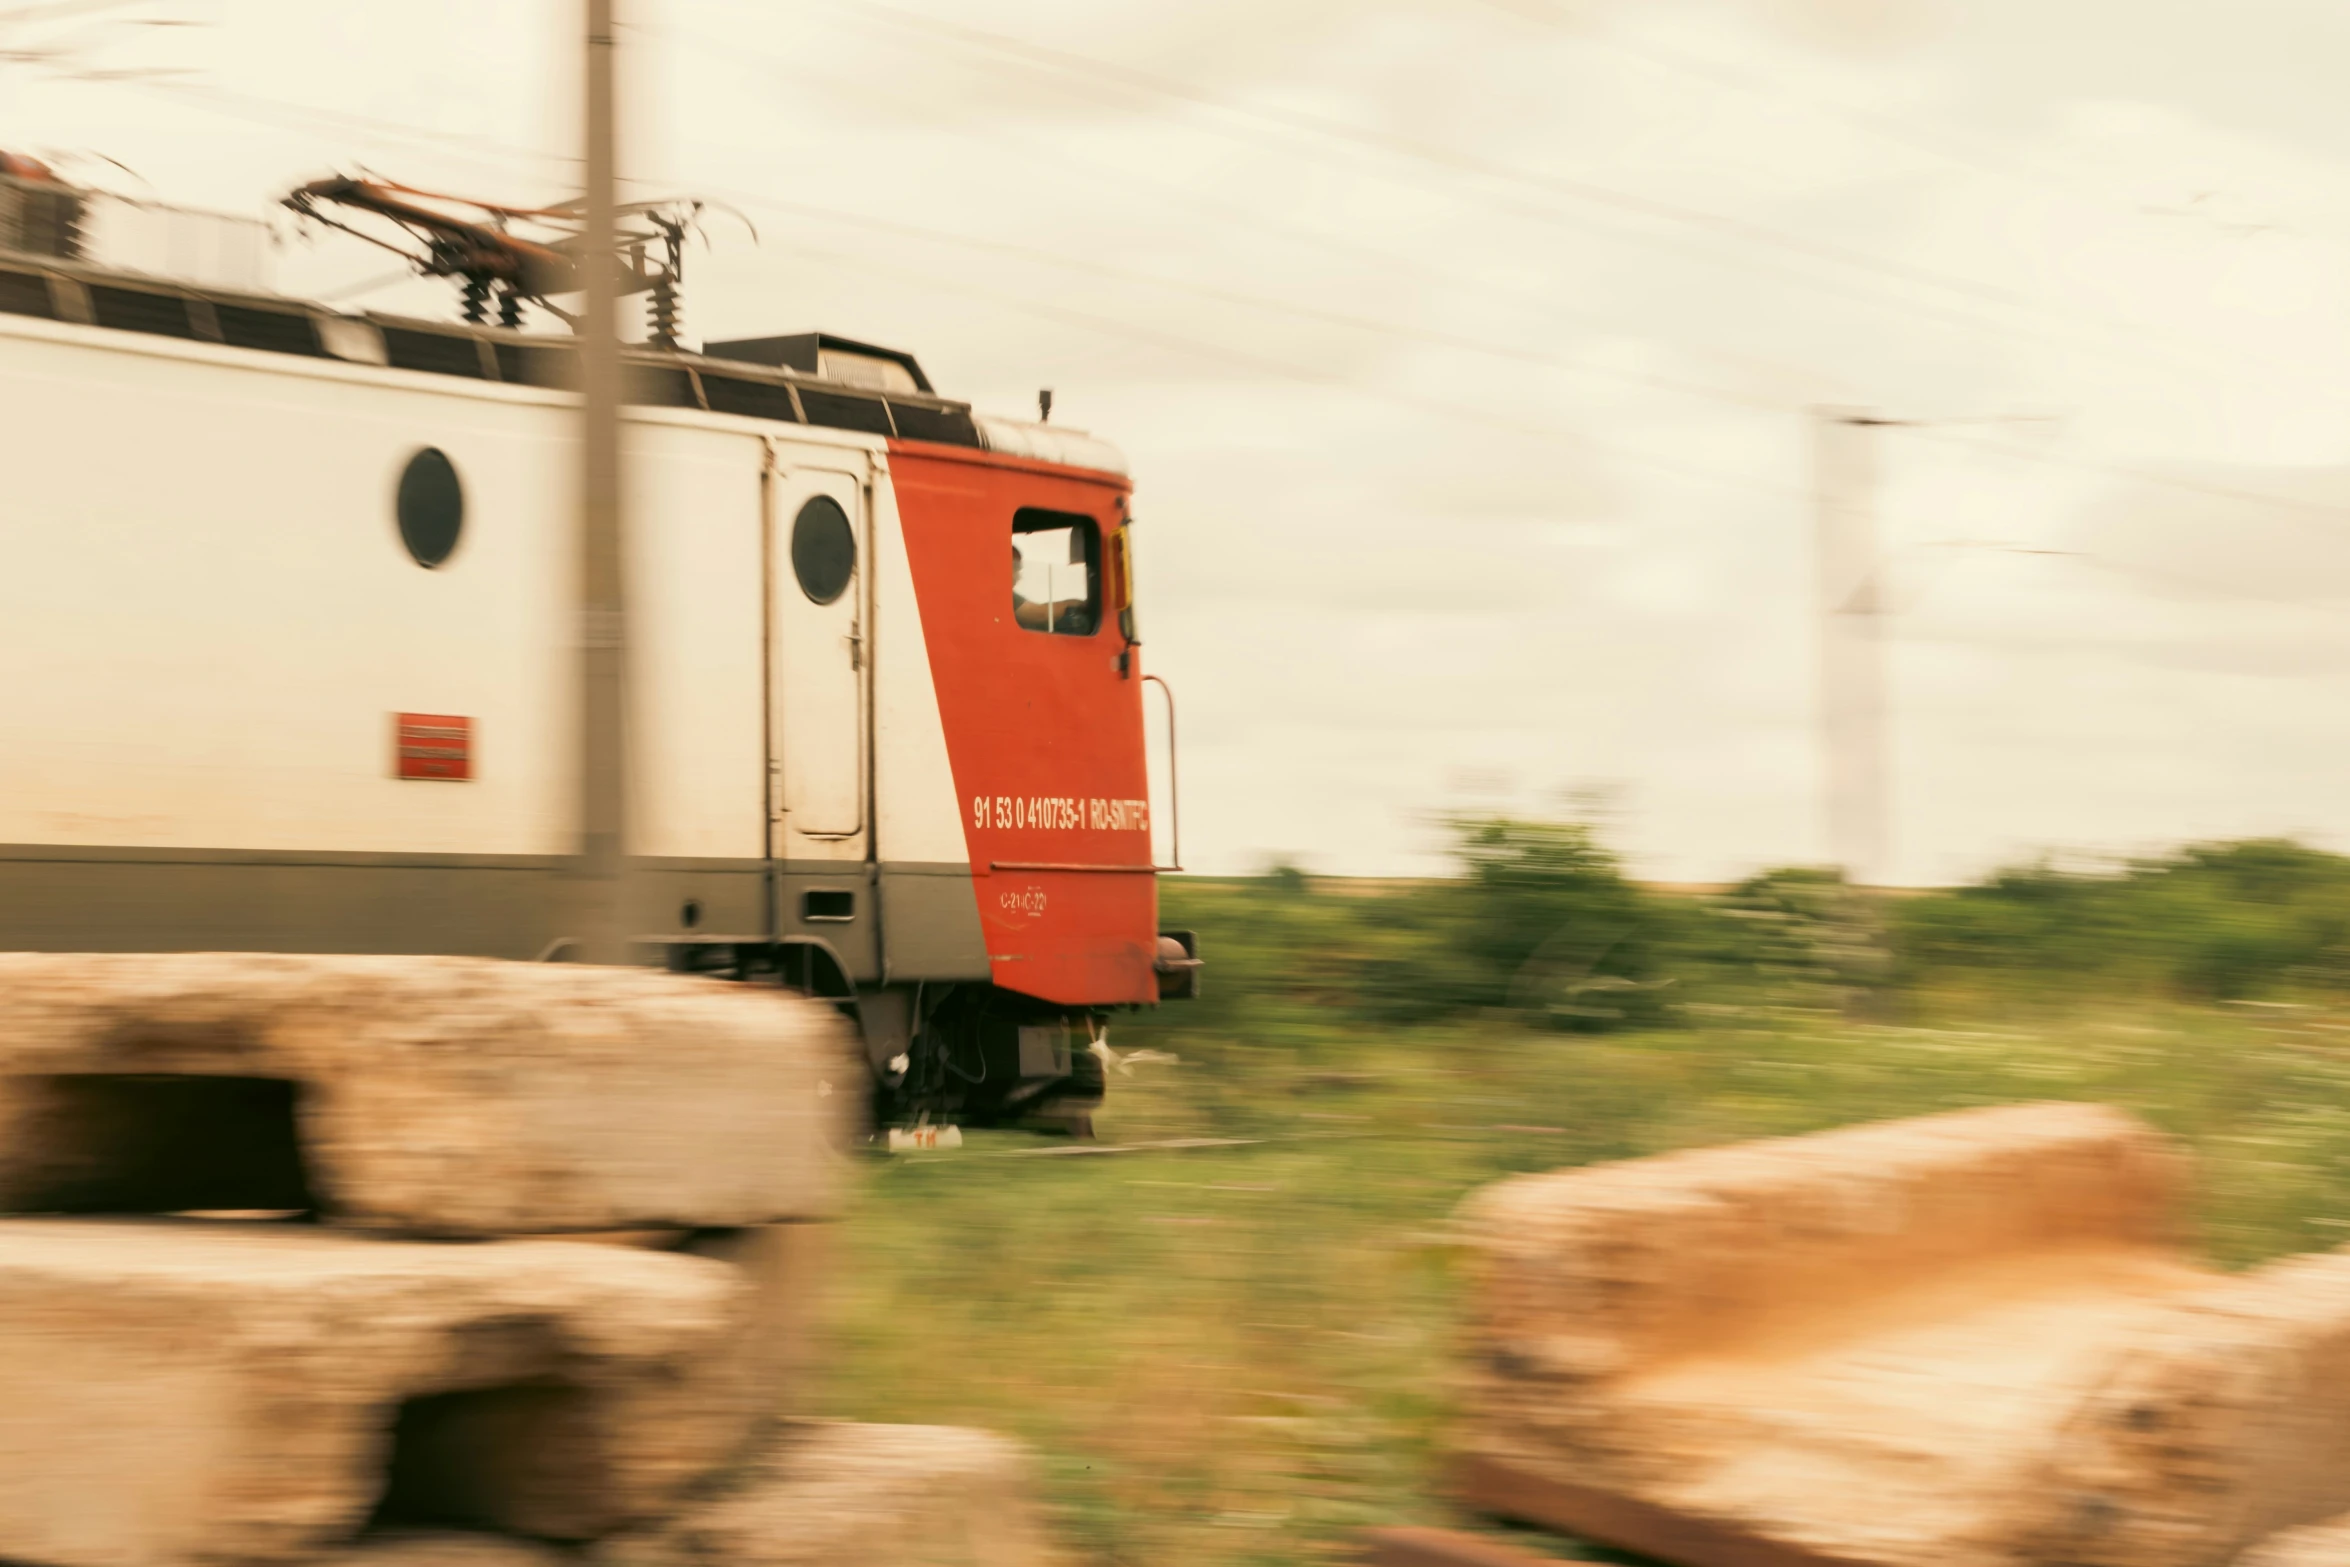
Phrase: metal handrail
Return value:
(1174, 785)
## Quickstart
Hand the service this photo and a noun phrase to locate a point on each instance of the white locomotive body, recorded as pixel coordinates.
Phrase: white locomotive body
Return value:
(242, 706)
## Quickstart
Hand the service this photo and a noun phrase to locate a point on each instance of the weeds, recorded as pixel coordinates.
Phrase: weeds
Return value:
(1234, 1356)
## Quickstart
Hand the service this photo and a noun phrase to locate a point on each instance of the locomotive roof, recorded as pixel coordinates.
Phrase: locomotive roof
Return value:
(65, 291)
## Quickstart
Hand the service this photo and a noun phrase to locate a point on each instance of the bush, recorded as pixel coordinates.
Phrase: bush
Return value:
(1541, 926)
(2216, 921)
(1545, 925)
(1798, 934)
(1540, 923)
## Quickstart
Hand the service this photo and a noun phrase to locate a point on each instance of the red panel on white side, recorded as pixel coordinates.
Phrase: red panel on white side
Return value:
(1044, 733)
(432, 746)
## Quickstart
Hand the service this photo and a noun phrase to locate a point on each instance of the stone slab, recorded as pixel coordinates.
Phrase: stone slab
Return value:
(2221, 1422)
(1862, 1347)
(783, 1268)
(1663, 1533)
(823, 1494)
(424, 1095)
(186, 1391)
(431, 1548)
(2315, 1545)
(1411, 1546)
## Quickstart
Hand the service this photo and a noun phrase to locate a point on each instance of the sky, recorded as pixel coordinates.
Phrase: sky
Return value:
(1466, 353)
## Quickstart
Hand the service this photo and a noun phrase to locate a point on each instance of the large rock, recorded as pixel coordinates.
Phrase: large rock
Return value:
(2314, 1545)
(783, 1267)
(827, 1495)
(446, 1096)
(443, 1549)
(1863, 1347)
(189, 1391)
(2219, 1421)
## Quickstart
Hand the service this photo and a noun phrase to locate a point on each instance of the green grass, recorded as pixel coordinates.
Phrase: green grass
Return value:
(1237, 1355)
(1234, 1356)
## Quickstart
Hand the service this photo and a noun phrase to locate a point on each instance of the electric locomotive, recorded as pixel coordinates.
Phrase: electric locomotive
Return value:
(291, 643)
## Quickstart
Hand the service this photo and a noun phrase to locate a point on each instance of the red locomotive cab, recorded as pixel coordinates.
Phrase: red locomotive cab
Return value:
(1020, 561)
(1021, 569)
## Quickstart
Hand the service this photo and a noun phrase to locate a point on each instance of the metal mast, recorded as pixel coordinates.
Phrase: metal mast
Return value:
(603, 780)
(1852, 648)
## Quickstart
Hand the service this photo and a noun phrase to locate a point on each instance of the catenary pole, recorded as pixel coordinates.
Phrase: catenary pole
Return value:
(1852, 646)
(603, 782)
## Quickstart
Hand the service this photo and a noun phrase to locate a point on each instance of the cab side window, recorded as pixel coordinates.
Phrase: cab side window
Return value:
(1056, 573)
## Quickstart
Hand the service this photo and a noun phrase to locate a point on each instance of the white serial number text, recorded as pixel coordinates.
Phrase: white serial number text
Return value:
(1059, 813)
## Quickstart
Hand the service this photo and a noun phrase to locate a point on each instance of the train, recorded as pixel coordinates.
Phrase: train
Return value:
(290, 636)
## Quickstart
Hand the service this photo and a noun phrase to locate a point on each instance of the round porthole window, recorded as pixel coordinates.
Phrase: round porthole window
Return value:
(431, 507)
(823, 549)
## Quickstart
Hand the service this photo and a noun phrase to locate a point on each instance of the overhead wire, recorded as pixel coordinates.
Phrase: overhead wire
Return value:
(50, 10)
(472, 149)
(1934, 141)
(1068, 261)
(2201, 588)
(2139, 474)
(2114, 337)
(1259, 224)
(65, 53)
(2124, 471)
(1401, 331)
(2177, 585)
(1223, 355)
(2185, 587)
(469, 148)
(2136, 474)
(354, 124)
(286, 111)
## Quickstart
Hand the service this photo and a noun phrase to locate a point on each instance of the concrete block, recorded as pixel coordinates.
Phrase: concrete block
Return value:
(1420, 1547)
(783, 1269)
(1855, 1348)
(2219, 1422)
(187, 1391)
(444, 1549)
(831, 1495)
(423, 1095)
(2315, 1545)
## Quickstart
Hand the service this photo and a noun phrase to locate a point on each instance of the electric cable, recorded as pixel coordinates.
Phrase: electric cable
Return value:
(474, 148)
(1095, 72)
(1934, 141)
(1223, 355)
(237, 103)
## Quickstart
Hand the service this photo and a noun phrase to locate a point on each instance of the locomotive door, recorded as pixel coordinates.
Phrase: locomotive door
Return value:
(819, 549)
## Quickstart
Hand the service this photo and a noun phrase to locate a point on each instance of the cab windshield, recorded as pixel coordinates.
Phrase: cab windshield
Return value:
(1056, 573)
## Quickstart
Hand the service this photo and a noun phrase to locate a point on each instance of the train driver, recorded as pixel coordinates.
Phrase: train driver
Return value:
(1068, 616)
